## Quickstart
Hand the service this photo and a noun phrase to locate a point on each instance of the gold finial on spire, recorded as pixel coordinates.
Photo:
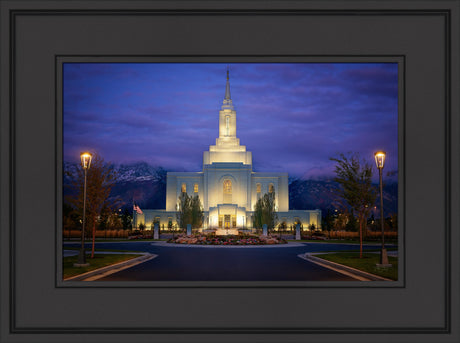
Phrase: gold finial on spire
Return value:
(227, 72)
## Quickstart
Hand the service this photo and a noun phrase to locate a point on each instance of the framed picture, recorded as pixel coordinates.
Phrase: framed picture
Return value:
(42, 42)
(296, 119)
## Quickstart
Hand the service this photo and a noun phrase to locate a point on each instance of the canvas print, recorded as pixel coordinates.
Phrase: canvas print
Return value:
(230, 172)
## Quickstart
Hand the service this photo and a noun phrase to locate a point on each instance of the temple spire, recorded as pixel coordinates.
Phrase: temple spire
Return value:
(227, 103)
(227, 87)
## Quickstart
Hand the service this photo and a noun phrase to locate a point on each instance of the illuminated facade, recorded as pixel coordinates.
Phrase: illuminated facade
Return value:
(227, 186)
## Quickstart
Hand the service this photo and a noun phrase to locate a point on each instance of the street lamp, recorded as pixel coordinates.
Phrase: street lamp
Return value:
(85, 164)
(380, 161)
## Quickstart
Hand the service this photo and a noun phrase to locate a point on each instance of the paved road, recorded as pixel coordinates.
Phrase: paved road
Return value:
(227, 264)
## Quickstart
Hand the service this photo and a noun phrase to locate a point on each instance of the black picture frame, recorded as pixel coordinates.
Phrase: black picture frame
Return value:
(423, 36)
(62, 60)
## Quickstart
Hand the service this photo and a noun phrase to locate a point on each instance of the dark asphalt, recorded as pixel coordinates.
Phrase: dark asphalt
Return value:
(227, 264)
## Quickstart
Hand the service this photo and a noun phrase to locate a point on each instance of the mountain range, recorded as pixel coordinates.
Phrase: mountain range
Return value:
(146, 185)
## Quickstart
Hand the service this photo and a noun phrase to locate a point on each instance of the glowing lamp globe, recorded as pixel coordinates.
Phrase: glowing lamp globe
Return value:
(85, 159)
(380, 159)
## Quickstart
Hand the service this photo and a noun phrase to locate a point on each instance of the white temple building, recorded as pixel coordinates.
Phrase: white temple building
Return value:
(227, 186)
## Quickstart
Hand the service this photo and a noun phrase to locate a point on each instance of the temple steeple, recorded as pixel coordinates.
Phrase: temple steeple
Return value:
(227, 103)
(227, 148)
(227, 88)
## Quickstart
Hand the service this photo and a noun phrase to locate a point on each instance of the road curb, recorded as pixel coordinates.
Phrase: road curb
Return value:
(353, 272)
(113, 268)
(221, 246)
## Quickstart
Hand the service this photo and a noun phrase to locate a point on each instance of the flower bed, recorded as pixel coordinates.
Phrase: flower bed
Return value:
(227, 240)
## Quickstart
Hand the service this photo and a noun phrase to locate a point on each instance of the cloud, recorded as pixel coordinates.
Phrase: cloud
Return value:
(293, 117)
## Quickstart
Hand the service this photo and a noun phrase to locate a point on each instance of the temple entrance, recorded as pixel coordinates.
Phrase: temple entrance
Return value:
(227, 218)
(227, 221)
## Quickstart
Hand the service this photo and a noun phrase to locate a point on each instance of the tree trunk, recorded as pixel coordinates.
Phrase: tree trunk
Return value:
(360, 237)
(94, 238)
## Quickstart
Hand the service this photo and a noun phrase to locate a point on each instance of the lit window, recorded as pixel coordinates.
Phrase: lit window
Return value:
(228, 187)
(271, 188)
(258, 188)
(195, 188)
(227, 192)
(184, 188)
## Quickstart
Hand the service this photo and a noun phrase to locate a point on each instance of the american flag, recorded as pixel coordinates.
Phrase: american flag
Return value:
(137, 209)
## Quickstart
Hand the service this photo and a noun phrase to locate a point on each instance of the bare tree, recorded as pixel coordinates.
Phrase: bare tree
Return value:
(100, 179)
(354, 177)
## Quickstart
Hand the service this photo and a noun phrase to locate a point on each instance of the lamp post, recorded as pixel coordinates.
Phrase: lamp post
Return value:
(85, 163)
(380, 161)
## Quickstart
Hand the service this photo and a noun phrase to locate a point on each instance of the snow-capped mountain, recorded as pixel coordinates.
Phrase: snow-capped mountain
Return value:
(146, 185)
(134, 172)
(139, 182)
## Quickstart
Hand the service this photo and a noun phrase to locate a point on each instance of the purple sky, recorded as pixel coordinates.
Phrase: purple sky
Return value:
(293, 117)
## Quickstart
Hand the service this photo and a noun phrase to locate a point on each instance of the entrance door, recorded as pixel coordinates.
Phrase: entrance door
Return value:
(227, 221)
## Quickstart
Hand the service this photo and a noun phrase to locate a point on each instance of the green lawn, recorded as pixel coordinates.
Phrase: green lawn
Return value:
(116, 240)
(367, 263)
(99, 261)
(99, 249)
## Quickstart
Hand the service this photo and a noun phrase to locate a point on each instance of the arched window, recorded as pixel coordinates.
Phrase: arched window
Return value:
(258, 190)
(184, 188)
(227, 191)
(228, 186)
(227, 125)
(271, 188)
(195, 188)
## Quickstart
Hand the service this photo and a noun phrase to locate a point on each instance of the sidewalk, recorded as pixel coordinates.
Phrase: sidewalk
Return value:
(113, 268)
(346, 270)
(67, 253)
(393, 253)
